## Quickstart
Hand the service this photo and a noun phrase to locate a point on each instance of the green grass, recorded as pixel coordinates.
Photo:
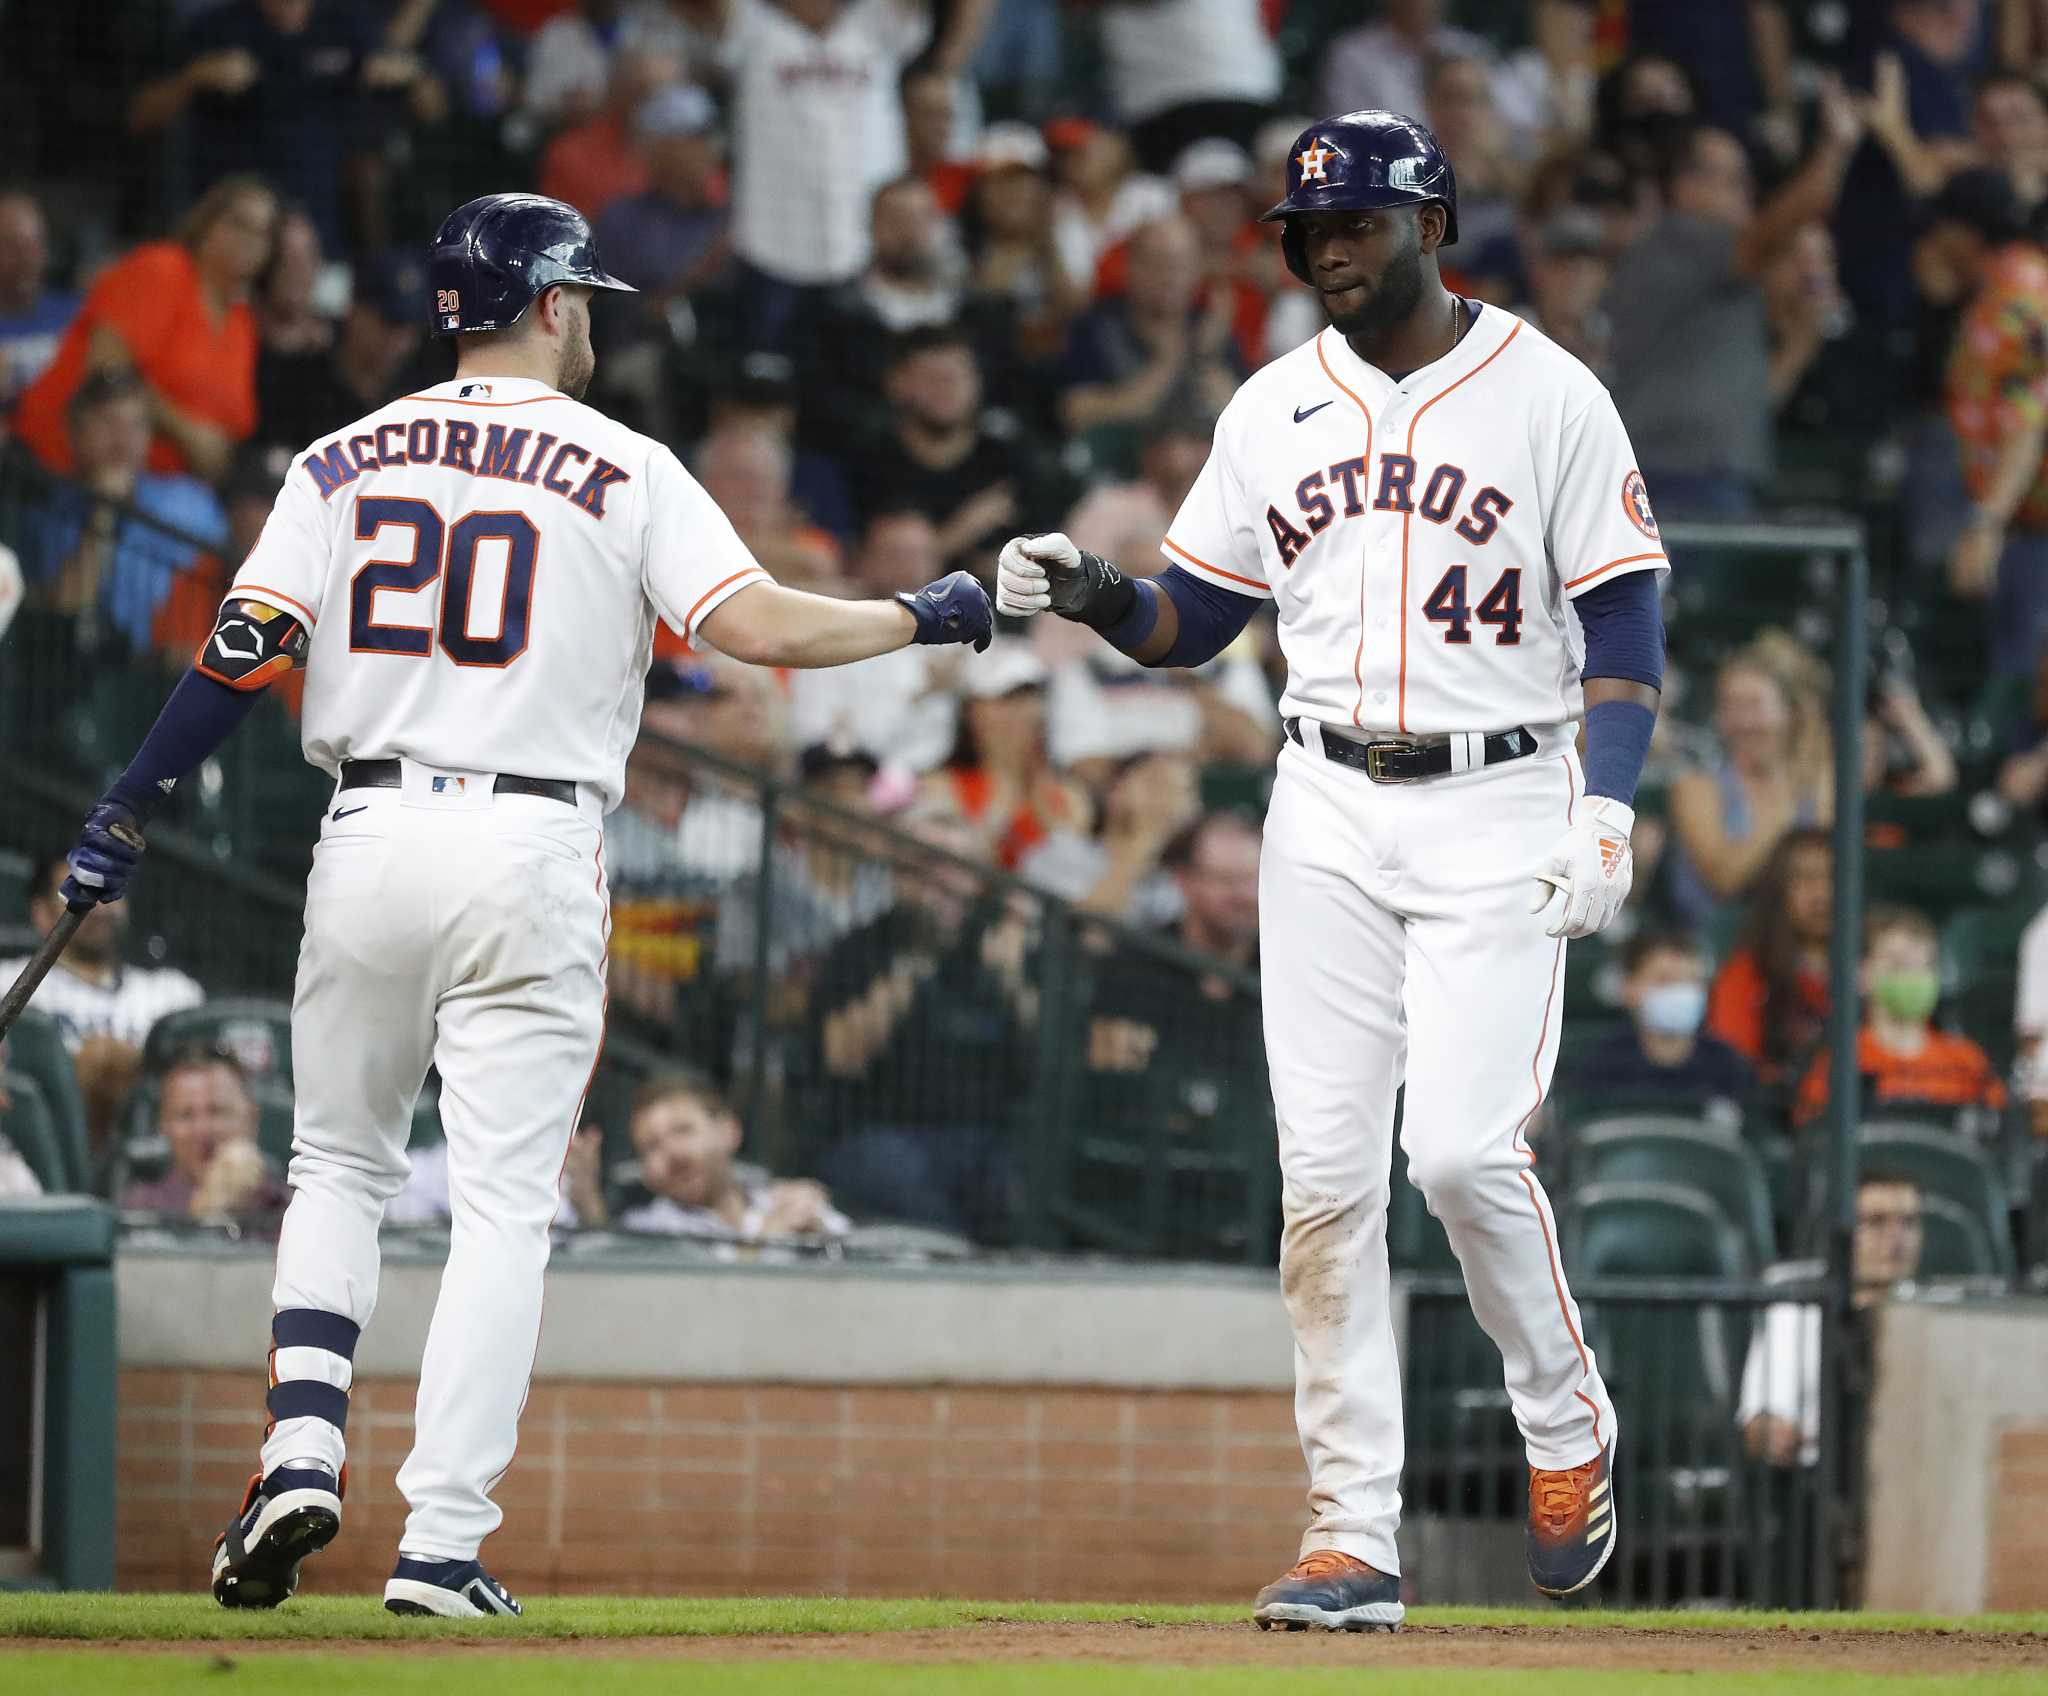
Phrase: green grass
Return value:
(194, 1618)
(113, 1673)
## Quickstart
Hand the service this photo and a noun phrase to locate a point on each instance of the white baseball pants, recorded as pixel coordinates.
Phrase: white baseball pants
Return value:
(1396, 937)
(467, 931)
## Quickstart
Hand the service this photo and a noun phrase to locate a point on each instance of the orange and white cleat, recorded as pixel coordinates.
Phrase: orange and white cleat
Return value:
(1335, 1591)
(1571, 1525)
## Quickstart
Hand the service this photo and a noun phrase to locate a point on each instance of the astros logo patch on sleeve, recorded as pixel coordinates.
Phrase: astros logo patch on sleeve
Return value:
(1635, 500)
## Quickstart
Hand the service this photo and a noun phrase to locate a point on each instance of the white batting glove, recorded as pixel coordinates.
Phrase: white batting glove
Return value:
(1585, 877)
(1023, 584)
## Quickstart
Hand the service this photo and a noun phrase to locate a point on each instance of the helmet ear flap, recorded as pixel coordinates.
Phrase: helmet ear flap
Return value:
(1294, 249)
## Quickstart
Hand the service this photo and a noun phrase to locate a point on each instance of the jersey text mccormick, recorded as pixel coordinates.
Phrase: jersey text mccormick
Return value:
(491, 450)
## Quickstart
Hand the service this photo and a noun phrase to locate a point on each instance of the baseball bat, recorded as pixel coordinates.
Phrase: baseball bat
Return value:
(38, 968)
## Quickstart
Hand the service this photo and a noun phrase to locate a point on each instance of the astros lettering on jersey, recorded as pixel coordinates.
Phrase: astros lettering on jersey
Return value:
(1423, 537)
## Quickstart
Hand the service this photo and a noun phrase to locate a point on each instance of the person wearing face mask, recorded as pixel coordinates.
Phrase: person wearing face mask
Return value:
(1903, 1058)
(1664, 1052)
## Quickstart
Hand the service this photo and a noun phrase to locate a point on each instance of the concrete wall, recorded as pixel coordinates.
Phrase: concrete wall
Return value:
(1958, 1484)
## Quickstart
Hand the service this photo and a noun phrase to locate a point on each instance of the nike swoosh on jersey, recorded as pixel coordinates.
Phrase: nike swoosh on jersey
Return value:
(340, 813)
(1303, 412)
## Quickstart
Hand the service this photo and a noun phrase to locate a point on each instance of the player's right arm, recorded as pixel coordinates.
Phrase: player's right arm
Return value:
(1188, 614)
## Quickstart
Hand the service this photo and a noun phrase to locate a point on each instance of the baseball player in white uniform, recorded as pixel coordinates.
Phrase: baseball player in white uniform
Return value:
(1445, 509)
(470, 577)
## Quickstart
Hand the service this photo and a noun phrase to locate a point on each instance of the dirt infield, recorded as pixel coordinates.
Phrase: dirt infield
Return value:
(1607, 1649)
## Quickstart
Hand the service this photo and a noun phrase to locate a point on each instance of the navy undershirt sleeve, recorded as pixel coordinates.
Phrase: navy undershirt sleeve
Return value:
(1210, 618)
(200, 715)
(1624, 629)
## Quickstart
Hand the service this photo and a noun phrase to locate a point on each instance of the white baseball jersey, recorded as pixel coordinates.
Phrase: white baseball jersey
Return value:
(817, 128)
(481, 565)
(1423, 538)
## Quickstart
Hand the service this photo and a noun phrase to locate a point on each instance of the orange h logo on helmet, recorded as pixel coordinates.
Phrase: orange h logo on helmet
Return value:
(1313, 159)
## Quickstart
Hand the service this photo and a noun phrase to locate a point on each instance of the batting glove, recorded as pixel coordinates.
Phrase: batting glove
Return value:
(109, 845)
(1586, 876)
(1050, 574)
(954, 609)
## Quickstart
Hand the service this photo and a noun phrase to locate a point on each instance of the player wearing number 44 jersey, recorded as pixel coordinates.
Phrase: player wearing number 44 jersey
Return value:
(1443, 506)
(470, 577)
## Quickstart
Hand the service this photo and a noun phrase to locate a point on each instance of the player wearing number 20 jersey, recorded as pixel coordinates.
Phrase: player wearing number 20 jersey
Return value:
(505, 532)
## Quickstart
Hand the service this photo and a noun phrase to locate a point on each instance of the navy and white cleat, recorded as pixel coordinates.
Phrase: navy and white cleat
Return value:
(1571, 1525)
(1335, 1591)
(292, 1513)
(451, 1589)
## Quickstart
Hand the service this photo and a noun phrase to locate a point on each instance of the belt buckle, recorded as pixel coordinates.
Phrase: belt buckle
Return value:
(1376, 757)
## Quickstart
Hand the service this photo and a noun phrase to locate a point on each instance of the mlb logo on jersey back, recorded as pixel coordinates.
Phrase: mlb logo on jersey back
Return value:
(474, 391)
(1635, 501)
(450, 785)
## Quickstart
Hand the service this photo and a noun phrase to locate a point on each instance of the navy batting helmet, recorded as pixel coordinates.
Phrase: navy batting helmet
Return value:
(493, 255)
(1359, 160)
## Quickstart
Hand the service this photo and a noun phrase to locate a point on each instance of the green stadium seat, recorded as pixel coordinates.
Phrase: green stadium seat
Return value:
(1949, 1166)
(30, 1129)
(36, 1046)
(1954, 1241)
(1716, 1164)
(258, 1033)
(1633, 1229)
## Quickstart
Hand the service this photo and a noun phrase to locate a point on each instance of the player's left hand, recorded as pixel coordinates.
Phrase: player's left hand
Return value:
(109, 845)
(954, 609)
(1586, 876)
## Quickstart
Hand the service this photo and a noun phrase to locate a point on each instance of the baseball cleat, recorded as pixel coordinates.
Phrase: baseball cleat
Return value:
(1571, 1525)
(292, 1513)
(1335, 1591)
(451, 1589)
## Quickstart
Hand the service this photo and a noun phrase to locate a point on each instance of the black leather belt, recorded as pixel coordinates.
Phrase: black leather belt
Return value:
(386, 774)
(1404, 762)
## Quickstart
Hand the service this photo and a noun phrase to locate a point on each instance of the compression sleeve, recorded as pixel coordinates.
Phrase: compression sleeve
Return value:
(1211, 617)
(200, 715)
(1624, 628)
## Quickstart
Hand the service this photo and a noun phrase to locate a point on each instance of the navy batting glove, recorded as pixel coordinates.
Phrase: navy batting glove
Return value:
(109, 845)
(954, 609)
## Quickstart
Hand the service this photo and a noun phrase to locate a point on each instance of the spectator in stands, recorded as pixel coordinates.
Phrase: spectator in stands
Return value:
(1904, 1061)
(599, 160)
(1126, 522)
(966, 469)
(283, 83)
(32, 317)
(1180, 70)
(1120, 872)
(761, 391)
(816, 81)
(737, 712)
(1998, 406)
(1015, 265)
(1779, 1407)
(1385, 64)
(1664, 1053)
(922, 1018)
(1241, 262)
(747, 472)
(1691, 352)
(999, 776)
(103, 1007)
(1769, 775)
(1100, 197)
(1737, 56)
(1825, 385)
(1155, 348)
(1458, 105)
(569, 61)
(379, 352)
(1904, 754)
(900, 707)
(2009, 124)
(1568, 270)
(287, 320)
(1769, 1001)
(686, 1139)
(114, 541)
(177, 313)
(672, 238)
(2023, 774)
(208, 1119)
(931, 110)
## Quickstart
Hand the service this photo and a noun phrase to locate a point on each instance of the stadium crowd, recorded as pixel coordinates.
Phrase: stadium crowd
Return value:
(917, 274)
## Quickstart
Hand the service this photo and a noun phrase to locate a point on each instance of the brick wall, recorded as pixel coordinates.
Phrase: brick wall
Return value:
(2018, 1568)
(720, 1490)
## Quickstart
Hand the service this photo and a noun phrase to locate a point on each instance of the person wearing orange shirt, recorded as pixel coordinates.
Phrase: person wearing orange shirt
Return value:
(177, 313)
(1904, 1060)
(1770, 998)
